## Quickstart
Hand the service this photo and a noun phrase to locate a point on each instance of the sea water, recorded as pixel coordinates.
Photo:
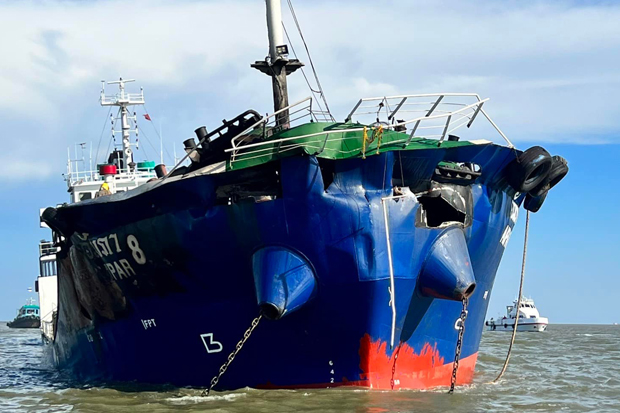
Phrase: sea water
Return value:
(572, 368)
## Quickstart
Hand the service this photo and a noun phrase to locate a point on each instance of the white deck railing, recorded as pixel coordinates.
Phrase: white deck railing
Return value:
(130, 98)
(299, 112)
(47, 248)
(453, 109)
(79, 177)
(430, 116)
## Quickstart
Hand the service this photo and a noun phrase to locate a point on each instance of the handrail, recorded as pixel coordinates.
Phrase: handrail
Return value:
(47, 248)
(433, 116)
(403, 101)
(447, 115)
(233, 141)
(94, 176)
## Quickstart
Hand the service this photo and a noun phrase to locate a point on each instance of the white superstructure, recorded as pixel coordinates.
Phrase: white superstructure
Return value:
(83, 181)
(526, 311)
(120, 173)
(47, 287)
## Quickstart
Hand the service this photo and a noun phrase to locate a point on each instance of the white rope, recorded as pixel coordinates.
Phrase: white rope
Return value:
(514, 332)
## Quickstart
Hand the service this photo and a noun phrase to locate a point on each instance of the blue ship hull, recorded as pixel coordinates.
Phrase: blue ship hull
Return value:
(158, 284)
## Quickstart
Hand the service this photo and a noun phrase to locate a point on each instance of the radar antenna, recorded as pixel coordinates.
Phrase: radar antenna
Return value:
(123, 100)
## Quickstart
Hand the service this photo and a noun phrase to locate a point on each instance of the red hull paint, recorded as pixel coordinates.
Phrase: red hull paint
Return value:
(413, 371)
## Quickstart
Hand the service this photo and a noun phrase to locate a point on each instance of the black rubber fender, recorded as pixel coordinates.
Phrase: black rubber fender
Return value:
(533, 203)
(529, 169)
(50, 217)
(559, 170)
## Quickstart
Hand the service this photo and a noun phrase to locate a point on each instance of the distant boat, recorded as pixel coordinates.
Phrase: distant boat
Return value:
(27, 317)
(529, 318)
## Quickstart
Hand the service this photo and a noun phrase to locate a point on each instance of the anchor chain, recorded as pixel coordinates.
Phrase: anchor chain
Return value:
(394, 366)
(459, 344)
(232, 355)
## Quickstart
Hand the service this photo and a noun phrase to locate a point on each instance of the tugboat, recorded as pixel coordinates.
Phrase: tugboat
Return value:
(529, 318)
(27, 316)
(313, 253)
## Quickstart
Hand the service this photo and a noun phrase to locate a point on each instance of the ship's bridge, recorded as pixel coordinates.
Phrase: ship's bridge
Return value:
(527, 309)
(83, 181)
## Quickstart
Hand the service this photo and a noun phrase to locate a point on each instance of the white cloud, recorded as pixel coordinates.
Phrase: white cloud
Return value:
(20, 169)
(550, 69)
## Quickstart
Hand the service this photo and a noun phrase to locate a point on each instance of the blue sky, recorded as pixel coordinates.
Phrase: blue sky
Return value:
(550, 69)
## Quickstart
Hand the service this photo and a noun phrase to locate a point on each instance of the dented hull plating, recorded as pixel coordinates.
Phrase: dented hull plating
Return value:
(162, 291)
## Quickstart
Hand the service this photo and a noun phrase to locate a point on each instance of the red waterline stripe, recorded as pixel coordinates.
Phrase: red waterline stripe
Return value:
(436, 376)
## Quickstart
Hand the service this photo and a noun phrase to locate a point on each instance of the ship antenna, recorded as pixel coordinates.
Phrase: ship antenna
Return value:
(277, 64)
(123, 100)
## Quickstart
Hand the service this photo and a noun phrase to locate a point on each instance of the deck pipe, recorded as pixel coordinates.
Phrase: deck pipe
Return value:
(285, 281)
(447, 272)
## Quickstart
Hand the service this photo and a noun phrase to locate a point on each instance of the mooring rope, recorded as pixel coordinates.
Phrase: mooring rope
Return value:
(514, 331)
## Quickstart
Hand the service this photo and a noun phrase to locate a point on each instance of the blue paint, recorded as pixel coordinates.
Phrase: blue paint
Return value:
(208, 262)
(283, 279)
(447, 271)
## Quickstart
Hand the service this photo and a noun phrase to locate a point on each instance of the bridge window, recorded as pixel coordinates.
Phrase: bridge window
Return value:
(48, 268)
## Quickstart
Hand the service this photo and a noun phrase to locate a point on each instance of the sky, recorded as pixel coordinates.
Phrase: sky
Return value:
(550, 69)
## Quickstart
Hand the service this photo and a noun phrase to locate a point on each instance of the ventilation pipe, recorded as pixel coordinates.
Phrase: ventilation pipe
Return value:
(447, 271)
(160, 170)
(285, 281)
(191, 149)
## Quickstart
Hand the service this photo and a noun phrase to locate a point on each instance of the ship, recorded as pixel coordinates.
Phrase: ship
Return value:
(292, 250)
(27, 316)
(46, 286)
(529, 318)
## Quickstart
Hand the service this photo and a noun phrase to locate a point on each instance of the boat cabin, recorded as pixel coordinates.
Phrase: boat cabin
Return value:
(526, 309)
(84, 184)
(29, 310)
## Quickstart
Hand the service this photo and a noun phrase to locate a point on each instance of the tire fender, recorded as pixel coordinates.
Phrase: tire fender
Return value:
(533, 203)
(558, 171)
(529, 169)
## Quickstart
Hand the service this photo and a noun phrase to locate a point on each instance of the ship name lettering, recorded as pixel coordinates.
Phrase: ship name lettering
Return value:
(120, 269)
(93, 244)
(115, 237)
(109, 245)
(136, 251)
(105, 246)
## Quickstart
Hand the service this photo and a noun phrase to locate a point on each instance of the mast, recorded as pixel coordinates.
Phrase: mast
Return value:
(123, 100)
(277, 64)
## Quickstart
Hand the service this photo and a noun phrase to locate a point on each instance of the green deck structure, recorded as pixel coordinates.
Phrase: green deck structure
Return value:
(339, 145)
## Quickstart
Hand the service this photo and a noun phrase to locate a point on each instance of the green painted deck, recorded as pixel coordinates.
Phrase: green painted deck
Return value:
(345, 143)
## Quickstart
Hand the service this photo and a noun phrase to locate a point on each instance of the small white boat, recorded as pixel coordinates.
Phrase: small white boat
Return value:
(529, 318)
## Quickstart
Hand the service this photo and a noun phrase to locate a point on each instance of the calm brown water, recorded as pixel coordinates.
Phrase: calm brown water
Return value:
(572, 368)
